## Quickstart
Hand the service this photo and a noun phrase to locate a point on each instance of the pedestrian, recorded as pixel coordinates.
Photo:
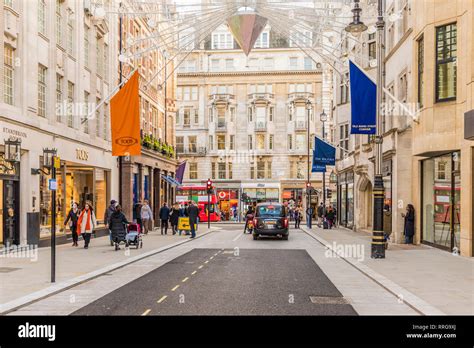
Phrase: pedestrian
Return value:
(387, 224)
(174, 218)
(320, 213)
(248, 215)
(298, 216)
(118, 225)
(193, 213)
(185, 212)
(86, 223)
(330, 216)
(137, 214)
(409, 226)
(108, 212)
(164, 217)
(73, 216)
(147, 216)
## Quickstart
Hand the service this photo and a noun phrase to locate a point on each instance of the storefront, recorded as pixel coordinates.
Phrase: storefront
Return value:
(9, 203)
(441, 201)
(76, 183)
(261, 192)
(228, 203)
(345, 194)
(292, 196)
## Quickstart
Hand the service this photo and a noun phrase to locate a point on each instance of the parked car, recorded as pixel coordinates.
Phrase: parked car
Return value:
(271, 220)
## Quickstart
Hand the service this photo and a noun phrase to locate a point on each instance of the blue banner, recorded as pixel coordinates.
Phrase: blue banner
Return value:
(324, 153)
(363, 102)
(317, 167)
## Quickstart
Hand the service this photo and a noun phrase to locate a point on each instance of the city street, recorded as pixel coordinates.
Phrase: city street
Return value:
(226, 272)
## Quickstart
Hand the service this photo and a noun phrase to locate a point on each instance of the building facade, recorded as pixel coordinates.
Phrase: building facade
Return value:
(243, 121)
(143, 177)
(443, 162)
(58, 63)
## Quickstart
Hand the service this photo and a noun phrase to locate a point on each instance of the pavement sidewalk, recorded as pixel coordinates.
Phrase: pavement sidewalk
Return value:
(433, 280)
(24, 274)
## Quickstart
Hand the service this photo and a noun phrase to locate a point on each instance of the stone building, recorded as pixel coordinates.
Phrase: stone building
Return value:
(243, 121)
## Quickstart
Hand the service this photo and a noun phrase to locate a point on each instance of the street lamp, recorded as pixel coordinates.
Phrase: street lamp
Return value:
(323, 118)
(50, 163)
(309, 212)
(12, 150)
(356, 26)
(378, 243)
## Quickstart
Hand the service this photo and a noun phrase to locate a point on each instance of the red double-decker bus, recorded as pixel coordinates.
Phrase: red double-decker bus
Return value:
(198, 194)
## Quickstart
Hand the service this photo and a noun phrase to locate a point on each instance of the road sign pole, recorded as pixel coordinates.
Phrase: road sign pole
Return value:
(208, 210)
(53, 223)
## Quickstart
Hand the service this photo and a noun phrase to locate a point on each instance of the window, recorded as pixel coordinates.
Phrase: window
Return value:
(446, 56)
(372, 50)
(70, 39)
(229, 65)
(193, 171)
(260, 170)
(252, 171)
(270, 113)
(86, 116)
(8, 3)
(391, 33)
(441, 170)
(106, 122)
(293, 63)
(270, 142)
(215, 65)
(290, 113)
(99, 58)
(221, 170)
(70, 102)
(308, 63)
(192, 144)
(42, 17)
(59, 21)
(250, 142)
(222, 41)
(403, 88)
(221, 117)
(343, 139)
(221, 142)
(41, 91)
(194, 93)
(300, 142)
(211, 142)
(211, 115)
(229, 166)
(213, 170)
(232, 114)
(260, 138)
(97, 118)
(86, 46)
(290, 142)
(232, 142)
(404, 21)
(250, 114)
(9, 73)
(269, 64)
(186, 117)
(179, 144)
(344, 89)
(59, 98)
(269, 170)
(263, 40)
(421, 68)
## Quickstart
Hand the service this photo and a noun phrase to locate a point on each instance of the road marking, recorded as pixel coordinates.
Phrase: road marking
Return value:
(146, 312)
(185, 279)
(200, 266)
(238, 236)
(207, 261)
(162, 299)
(211, 257)
(194, 273)
(177, 286)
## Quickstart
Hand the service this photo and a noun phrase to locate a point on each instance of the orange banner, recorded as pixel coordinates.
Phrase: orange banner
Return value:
(125, 120)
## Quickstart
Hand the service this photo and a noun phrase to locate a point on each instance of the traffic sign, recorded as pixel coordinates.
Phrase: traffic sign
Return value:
(53, 184)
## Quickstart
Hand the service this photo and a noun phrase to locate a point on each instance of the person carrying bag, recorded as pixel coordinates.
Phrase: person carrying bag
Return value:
(86, 223)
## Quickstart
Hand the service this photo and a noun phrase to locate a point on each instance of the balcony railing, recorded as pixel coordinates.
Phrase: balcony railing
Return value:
(300, 95)
(224, 97)
(301, 125)
(192, 150)
(260, 126)
(261, 96)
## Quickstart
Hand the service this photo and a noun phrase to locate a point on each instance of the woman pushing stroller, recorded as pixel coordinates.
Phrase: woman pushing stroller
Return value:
(118, 226)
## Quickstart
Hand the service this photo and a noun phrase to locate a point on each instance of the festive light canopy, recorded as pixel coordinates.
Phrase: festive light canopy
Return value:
(246, 27)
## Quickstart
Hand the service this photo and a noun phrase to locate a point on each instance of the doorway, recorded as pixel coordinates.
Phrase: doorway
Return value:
(9, 212)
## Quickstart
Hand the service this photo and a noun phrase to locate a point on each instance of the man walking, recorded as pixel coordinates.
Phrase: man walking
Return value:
(193, 213)
(320, 214)
(108, 213)
(164, 217)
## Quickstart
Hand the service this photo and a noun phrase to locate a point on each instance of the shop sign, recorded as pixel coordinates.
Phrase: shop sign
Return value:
(82, 154)
(6, 167)
(57, 162)
(53, 184)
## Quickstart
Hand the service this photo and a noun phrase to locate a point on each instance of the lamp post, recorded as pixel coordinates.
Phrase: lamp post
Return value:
(309, 211)
(50, 163)
(356, 27)
(323, 118)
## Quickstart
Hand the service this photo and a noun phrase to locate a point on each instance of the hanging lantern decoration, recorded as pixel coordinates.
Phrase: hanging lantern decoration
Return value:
(246, 27)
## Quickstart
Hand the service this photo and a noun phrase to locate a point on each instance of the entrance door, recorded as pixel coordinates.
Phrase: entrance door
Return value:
(10, 212)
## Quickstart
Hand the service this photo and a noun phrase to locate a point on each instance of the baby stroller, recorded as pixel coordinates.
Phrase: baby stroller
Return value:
(134, 236)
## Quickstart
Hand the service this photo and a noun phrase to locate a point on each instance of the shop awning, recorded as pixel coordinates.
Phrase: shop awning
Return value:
(172, 181)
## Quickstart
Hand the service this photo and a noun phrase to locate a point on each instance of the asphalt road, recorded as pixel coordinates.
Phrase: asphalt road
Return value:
(255, 279)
